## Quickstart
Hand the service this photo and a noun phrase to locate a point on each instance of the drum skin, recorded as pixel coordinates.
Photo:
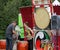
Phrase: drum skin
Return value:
(42, 18)
(2, 44)
(22, 45)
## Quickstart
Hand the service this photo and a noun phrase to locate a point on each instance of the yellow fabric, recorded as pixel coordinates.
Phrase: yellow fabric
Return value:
(28, 34)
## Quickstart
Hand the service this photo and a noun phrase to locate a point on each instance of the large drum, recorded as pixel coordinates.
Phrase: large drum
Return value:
(42, 18)
(2, 44)
(22, 45)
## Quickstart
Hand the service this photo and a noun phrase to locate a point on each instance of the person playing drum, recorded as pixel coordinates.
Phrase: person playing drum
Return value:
(29, 35)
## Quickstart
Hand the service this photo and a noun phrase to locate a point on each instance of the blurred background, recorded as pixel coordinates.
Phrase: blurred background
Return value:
(9, 10)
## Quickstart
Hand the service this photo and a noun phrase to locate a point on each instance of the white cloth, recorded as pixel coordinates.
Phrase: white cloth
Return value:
(15, 46)
(17, 29)
(56, 3)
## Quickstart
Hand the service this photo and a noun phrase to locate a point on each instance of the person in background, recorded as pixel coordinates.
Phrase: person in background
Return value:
(17, 29)
(9, 32)
(29, 36)
(15, 39)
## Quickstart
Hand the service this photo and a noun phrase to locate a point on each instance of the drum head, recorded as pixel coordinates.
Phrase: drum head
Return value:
(42, 18)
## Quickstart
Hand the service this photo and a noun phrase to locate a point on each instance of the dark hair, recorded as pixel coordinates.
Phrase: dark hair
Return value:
(14, 22)
(26, 23)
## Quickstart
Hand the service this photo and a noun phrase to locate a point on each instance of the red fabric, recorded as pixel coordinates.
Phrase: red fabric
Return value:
(28, 16)
(38, 44)
(55, 43)
(57, 9)
(58, 42)
(42, 5)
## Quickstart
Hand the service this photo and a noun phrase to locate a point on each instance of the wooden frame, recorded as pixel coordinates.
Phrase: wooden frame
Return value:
(39, 2)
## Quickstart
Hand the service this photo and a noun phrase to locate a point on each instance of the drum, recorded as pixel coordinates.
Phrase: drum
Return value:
(22, 45)
(42, 18)
(2, 44)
